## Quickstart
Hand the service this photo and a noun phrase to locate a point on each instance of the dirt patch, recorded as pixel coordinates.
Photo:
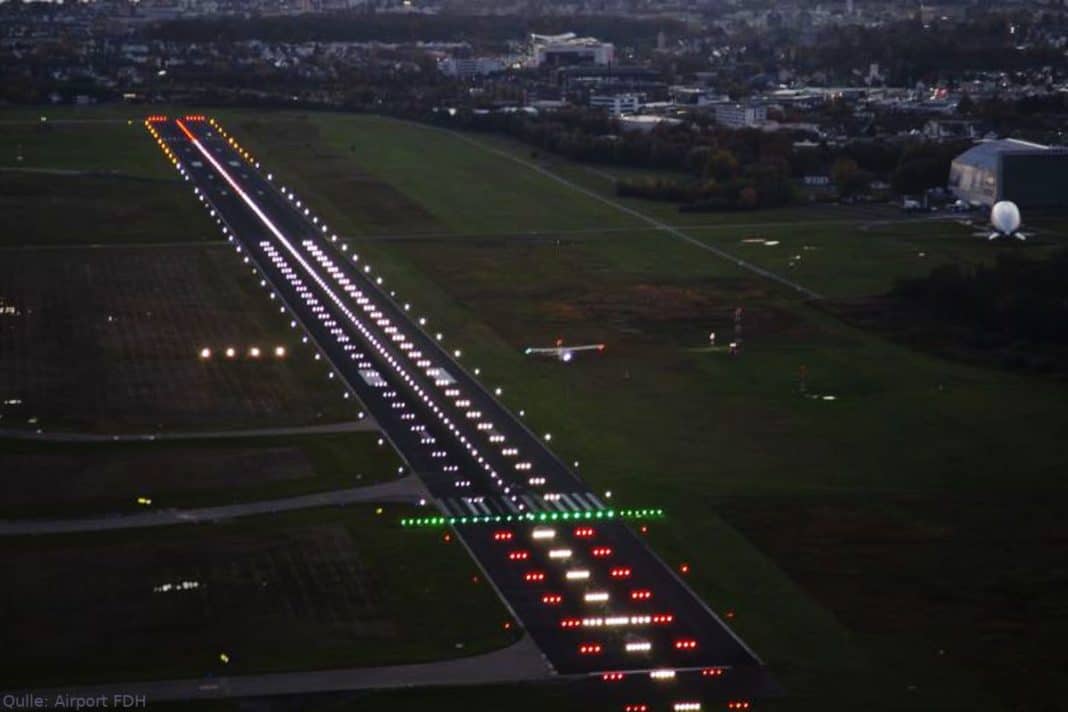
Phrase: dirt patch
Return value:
(565, 291)
(380, 207)
(663, 309)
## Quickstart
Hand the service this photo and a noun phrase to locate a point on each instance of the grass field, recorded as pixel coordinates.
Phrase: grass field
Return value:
(102, 146)
(836, 250)
(301, 591)
(807, 519)
(99, 181)
(65, 479)
(109, 340)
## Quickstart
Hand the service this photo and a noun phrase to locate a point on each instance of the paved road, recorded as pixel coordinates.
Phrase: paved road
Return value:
(407, 489)
(111, 245)
(598, 233)
(619, 607)
(518, 662)
(38, 122)
(355, 426)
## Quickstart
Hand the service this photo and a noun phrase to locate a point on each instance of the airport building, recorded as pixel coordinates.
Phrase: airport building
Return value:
(468, 67)
(616, 104)
(1029, 174)
(738, 116)
(567, 49)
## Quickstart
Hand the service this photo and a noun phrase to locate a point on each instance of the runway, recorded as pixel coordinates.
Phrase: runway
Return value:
(593, 597)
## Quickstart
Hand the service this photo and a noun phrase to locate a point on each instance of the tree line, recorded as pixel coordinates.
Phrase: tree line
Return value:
(1016, 308)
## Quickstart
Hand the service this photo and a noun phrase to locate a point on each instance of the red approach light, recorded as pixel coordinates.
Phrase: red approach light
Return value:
(590, 649)
(552, 599)
(684, 568)
(738, 705)
(686, 644)
(570, 623)
(601, 552)
(712, 672)
(518, 556)
(533, 576)
(636, 708)
(502, 535)
(612, 676)
(584, 532)
(620, 572)
(663, 618)
(641, 594)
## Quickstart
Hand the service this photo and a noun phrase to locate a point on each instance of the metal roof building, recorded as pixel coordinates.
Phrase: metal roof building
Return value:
(1029, 174)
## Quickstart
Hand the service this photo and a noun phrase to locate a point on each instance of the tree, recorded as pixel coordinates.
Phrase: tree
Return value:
(848, 177)
(721, 166)
(917, 175)
(748, 198)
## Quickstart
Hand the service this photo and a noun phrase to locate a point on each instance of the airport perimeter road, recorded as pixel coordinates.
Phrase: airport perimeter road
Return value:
(586, 587)
(61, 436)
(407, 490)
(518, 662)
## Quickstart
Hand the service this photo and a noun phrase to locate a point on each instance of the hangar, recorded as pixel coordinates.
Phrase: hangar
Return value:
(1029, 174)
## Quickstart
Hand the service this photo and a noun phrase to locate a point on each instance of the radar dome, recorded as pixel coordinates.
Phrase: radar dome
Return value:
(1005, 217)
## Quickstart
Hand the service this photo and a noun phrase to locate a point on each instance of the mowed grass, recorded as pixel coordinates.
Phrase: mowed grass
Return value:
(109, 340)
(566, 695)
(85, 479)
(839, 251)
(103, 146)
(299, 591)
(662, 419)
(91, 182)
(45, 210)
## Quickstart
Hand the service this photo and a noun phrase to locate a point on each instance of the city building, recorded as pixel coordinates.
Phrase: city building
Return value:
(737, 116)
(1029, 174)
(616, 104)
(645, 123)
(568, 49)
(465, 68)
(950, 129)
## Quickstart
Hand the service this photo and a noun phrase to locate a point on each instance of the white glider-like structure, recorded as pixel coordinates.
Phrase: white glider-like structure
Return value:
(561, 352)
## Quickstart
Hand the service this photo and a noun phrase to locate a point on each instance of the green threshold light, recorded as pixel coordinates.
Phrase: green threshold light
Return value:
(650, 513)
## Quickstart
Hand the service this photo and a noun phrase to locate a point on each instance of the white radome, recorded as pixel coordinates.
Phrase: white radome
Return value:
(1005, 217)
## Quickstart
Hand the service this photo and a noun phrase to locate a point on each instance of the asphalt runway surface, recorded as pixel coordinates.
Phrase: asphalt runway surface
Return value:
(592, 595)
